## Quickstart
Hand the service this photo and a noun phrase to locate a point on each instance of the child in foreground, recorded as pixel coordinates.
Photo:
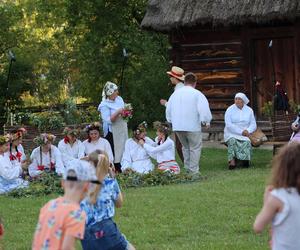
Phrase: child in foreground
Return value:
(61, 220)
(101, 232)
(282, 200)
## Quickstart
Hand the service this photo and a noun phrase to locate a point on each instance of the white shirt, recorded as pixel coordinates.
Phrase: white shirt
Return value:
(107, 108)
(187, 109)
(136, 158)
(286, 224)
(237, 120)
(177, 86)
(69, 153)
(36, 161)
(101, 144)
(162, 152)
(9, 175)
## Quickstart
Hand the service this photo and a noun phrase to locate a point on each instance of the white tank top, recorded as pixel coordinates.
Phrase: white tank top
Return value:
(286, 224)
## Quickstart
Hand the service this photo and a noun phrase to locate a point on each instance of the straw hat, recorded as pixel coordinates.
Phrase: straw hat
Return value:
(177, 73)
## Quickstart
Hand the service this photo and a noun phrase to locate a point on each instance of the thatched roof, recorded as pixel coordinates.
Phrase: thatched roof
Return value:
(164, 15)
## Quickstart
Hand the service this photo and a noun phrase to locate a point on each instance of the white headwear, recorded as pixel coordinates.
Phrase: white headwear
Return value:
(108, 89)
(243, 97)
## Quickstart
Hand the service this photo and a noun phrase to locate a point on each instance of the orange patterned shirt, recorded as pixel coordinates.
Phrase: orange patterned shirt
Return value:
(58, 218)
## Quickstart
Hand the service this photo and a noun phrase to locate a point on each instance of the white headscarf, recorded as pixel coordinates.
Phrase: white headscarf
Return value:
(243, 97)
(108, 89)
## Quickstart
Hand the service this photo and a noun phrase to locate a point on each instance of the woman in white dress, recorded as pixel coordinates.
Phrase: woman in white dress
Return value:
(9, 174)
(71, 147)
(95, 141)
(16, 151)
(163, 150)
(114, 126)
(135, 156)
(239, 124)
(46, 157)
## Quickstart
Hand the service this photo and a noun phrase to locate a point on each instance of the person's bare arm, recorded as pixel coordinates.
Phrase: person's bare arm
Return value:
(119, 200)
(68, 243)
(272, 205)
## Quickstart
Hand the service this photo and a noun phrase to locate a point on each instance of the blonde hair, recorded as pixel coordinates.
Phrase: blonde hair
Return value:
(101, 162)
(286, 167)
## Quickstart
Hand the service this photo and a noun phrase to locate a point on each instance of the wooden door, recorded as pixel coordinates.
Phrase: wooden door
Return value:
(274, 60)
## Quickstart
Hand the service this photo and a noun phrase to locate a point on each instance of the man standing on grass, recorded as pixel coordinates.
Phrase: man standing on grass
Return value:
(176, 77)
(187, 109)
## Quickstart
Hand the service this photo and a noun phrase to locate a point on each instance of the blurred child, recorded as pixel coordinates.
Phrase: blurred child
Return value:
(282, 200)
(61, 220)
(101, 232)
(163, 150)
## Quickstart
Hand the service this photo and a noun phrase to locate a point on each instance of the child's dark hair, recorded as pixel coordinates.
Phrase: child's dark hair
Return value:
(162, 127)
(286, 167)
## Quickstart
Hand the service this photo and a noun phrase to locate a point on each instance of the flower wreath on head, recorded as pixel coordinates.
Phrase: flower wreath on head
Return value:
(44, 138)
(4, 139)
(69, 131)
(141, 128)
(162, 127)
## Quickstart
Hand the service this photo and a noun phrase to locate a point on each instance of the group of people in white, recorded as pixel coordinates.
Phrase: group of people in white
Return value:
(187, 110)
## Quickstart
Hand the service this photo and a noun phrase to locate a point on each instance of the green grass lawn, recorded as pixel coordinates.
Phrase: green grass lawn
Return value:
(216, 213)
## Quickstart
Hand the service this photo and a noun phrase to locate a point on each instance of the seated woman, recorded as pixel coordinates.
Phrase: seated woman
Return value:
(9, 174)
(135, 156)
(296, 129)
(16, 150)
(96, 142)
(163, 150)
(239, 124)
(70, 147)
(101, 232)
(46, 157)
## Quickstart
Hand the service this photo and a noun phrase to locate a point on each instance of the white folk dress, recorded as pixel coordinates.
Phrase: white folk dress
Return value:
(17, 156)
(101, 144)
(41, 161)
(70, 152)
(164, 154)
(10, 175)
(136, 158)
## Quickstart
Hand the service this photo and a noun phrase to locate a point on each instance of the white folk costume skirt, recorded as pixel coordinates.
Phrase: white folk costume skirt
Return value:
(171, 166)
(120, 135)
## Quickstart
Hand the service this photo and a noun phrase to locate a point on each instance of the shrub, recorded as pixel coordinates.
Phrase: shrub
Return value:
(47, 120)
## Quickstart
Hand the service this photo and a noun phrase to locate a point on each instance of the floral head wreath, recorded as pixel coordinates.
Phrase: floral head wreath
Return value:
(162, 127)
(70, 131)
(43, 139)
(141, 128)
(4, 139)
(93, 126)
(18, 134)
(108, 89)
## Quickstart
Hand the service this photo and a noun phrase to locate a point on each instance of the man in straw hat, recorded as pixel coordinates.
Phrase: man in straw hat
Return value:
(176, 77)
(187, 109)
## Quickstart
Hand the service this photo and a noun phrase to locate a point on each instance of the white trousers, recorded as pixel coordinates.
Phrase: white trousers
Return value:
(191, 149)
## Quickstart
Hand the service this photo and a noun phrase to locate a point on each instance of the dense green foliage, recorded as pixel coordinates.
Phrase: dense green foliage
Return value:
(69, 48)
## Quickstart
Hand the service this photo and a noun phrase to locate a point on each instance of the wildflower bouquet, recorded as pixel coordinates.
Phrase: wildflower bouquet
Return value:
(127, 112)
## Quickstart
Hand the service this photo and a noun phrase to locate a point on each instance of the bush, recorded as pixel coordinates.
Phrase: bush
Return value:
(47, 120)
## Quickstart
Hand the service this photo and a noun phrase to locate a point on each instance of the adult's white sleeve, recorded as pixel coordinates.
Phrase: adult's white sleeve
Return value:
(59, 166)
(168, 110)
(203, 109)
(252, 127)
(33, 167)
(109, 152)
(126, 161)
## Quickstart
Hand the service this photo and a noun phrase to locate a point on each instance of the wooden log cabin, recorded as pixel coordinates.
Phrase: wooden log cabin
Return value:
(233, 46)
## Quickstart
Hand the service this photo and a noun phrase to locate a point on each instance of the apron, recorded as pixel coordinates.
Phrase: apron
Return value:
(120, 135)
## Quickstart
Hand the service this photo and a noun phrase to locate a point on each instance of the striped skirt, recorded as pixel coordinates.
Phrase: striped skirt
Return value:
(171, 166)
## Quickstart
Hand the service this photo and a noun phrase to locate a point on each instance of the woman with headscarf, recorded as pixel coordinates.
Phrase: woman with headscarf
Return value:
(114, 126)
(239, 124)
